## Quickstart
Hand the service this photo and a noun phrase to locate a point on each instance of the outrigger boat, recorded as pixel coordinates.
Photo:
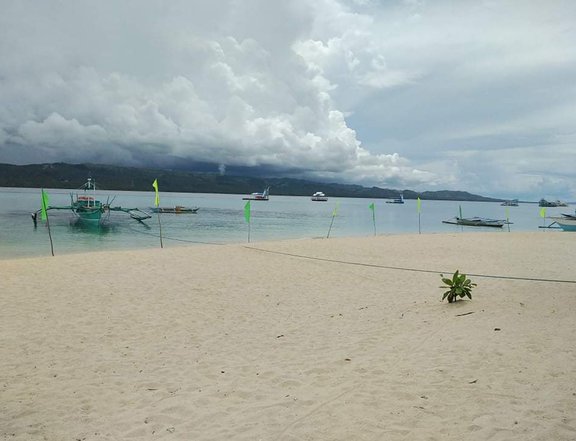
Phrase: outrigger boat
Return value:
(476, 222)
(567, 222)
(178, 209)
(87, 208)
(258, 196)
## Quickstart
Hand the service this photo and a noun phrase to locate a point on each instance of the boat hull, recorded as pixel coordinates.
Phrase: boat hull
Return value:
(567, 224)
(491, 223)
(175, 210)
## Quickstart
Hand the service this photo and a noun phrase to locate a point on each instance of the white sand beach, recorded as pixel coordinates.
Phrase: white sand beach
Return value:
(294, 340)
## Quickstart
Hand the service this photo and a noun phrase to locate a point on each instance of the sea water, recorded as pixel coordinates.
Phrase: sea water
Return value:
(221, 220)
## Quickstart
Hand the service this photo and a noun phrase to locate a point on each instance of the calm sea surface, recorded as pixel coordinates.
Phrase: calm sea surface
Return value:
(220, 220)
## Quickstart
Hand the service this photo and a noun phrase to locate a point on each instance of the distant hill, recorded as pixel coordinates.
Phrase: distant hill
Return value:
(109, 177)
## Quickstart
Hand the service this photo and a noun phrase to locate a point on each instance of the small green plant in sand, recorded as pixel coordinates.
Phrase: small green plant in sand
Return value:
(458, 286)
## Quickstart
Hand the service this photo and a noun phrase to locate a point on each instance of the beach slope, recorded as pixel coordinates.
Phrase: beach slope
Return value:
(339, 339)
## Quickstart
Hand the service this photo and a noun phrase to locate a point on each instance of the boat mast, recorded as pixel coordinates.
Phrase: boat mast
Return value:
(92, 185)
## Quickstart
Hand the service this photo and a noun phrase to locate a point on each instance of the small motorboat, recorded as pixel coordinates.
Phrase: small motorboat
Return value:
(319, 197)
(258, 196)
(398, 200)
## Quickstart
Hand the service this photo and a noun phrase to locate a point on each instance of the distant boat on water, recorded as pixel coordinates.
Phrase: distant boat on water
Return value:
(398, 200)
(510, 203)
(319, 197)
(476, 222)
(545, 203)
(178, 209)
(258, 196)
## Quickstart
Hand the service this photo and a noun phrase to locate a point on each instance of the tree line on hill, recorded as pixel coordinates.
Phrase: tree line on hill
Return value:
(109, 177)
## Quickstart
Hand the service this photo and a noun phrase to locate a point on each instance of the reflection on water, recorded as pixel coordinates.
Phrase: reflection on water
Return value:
(78, 225)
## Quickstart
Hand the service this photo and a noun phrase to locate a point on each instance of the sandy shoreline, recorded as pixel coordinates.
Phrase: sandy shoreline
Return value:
(293, 340)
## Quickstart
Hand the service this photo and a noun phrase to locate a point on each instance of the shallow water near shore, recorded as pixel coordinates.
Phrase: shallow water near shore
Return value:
(220, 220)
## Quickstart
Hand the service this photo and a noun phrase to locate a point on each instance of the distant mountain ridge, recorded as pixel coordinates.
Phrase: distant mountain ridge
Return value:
(110, 177)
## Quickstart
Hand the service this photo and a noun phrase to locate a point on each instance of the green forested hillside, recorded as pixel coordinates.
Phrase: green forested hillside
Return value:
(108, 177)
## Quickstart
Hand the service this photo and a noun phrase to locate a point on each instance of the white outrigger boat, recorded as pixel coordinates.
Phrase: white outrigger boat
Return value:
(566, 222)
(477, 222)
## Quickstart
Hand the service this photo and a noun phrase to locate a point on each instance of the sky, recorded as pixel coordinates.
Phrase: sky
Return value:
(468, 95)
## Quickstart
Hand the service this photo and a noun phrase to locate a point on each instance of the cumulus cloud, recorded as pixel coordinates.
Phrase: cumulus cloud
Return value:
(398, 94)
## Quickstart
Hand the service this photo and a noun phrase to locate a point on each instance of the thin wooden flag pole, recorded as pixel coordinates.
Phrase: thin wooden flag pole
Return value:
(160, 227)
(45, 216)
(372, 207)
(334, 213)
(247, 217)
(419, 208)
(157, 204)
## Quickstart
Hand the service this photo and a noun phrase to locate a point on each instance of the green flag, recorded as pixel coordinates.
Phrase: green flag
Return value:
(247, 211)
(157, 198)
(371, 207)
(335, 212)
(543, 212)
(44, 205)
(418, 205)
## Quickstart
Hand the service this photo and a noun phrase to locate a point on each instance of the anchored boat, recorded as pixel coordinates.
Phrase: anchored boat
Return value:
(178, 209)
(566, 222)
(87, 208)
(258, 196)
(319, 197)
(398, 200)
(557, 203)
(477, 222)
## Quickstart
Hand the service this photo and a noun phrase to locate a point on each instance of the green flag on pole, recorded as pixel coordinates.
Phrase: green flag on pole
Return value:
(371, 207)
(157, 198)
(418, 205)
(335, 212)
(247, 211)
(543, 212)
(44, 205)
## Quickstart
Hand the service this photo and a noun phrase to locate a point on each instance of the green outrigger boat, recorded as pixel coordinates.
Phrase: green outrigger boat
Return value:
(87, 208)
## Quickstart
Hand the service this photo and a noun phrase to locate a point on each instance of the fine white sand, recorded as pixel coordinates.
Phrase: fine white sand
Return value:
(236, 343)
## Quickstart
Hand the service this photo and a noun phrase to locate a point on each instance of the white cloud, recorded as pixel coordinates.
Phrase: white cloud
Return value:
(407, 93)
